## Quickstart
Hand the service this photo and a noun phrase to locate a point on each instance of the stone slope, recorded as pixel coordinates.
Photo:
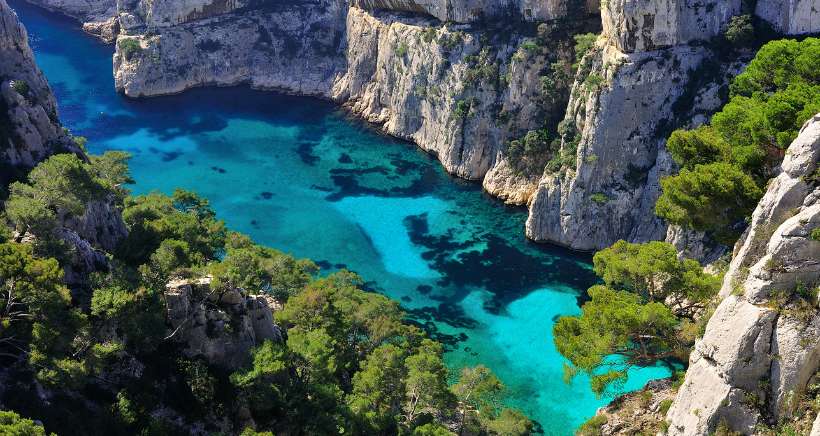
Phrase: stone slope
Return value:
(762, 345)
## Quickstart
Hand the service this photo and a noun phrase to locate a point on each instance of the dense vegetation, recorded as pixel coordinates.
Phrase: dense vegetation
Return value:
(348, 364)
(646, 310)
(726, 163)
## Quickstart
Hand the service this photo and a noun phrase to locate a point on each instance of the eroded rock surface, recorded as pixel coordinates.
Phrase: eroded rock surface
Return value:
(762, 345)
(30, 130)
(219, 326)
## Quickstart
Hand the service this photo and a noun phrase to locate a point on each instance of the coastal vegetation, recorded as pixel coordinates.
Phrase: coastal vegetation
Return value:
(348, 361)
(725, 164)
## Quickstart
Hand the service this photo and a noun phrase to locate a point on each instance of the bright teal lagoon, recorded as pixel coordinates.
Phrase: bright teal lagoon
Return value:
(300, 175)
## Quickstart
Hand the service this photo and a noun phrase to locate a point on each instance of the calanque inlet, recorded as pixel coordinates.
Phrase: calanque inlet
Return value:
(410, 217)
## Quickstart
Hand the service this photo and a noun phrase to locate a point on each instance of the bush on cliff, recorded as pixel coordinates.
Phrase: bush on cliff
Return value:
(349, 362)
(727, 163)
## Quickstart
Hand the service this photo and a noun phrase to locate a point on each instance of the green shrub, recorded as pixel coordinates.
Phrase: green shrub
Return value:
(129, 47)
(665, 405)
(740, 32)
(21, 87)
(583, 44)
(401, 49)
(599, 197)
(713, 197)
(12, 424)
(592, 427)
(462, 110)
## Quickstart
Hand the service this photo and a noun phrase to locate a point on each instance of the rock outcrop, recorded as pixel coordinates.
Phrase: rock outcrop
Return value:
(30, 129)
(762, 345)
(791, 17)
(296, 47)
(636, 413)
(219, 326)
(641, 82)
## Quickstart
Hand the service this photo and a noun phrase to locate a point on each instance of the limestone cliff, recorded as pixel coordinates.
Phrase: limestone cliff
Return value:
(30, 130)
(467, 11)
(762, 345)
(452, 76)
(627, 98)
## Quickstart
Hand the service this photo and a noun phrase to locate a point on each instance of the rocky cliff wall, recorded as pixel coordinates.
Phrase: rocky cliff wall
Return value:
(469, 11)
(452, 77)
(762, 345)
(296, 48)
(645, 78)
(30, 129)
(219, 326)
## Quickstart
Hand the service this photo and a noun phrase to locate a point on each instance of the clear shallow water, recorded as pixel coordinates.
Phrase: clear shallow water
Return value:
(299, 175)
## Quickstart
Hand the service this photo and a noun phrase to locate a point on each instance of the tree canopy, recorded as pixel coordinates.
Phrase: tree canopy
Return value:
(634, 318)
(727, 162)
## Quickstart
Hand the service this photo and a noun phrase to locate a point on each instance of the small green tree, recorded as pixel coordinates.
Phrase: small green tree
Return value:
(479, 393)
(426, 382)
(714, 197)
(615, 323)
(377, 395)
(654, 271)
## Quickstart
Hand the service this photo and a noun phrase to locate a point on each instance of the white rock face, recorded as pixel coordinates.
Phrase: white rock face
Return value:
(762, 345)
(619, 111)
(220, 327)
(644, 25)
(792, 17)
(416, 95)
(29, 128)
(297, 49)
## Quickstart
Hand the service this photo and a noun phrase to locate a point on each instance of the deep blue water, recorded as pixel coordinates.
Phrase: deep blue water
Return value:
(300, 175)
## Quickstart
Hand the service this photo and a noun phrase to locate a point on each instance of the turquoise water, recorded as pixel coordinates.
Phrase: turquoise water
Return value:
(299, 175)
